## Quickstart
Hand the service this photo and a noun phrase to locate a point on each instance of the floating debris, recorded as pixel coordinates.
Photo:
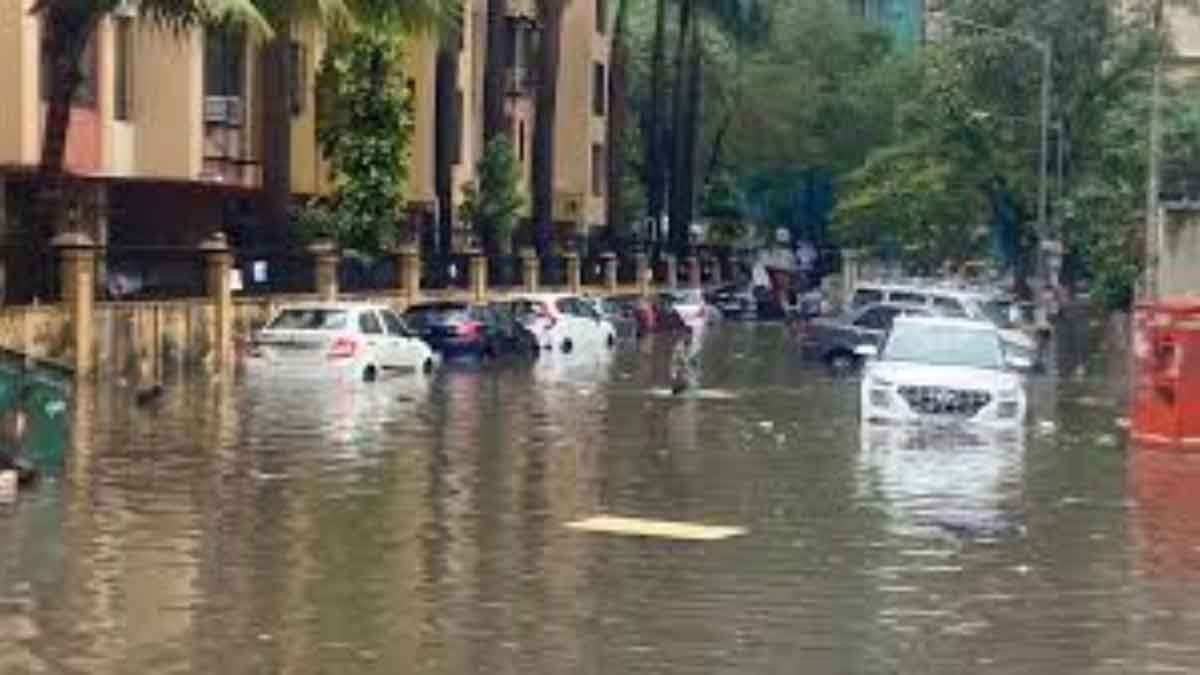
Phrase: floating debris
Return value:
(8, 487)
(1123, 423)
(640, 527)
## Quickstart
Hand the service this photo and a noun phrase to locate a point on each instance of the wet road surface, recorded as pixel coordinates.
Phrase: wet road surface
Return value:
(421, 527)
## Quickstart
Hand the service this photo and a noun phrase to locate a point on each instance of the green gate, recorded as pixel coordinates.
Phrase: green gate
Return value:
(46, 405)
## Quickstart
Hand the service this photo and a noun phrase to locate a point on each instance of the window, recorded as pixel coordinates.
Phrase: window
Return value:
(601, 16)
(395, 326)
(521, 141)
(863, 297)
(456, 139)
(309, 319)
(950, 307)
(599, 90)
(598, 170)
(224, 62)
(122, 68)
(878, 318)
(910, 298)
(297, 76)
(368, 324)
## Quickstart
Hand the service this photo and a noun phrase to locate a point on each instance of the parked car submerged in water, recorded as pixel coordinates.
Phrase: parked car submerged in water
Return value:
(564, 322)
(463, 329)
(834, 341)
(343, 341)
(942, 370)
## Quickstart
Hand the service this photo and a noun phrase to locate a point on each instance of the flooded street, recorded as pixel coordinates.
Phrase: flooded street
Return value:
(421, 526)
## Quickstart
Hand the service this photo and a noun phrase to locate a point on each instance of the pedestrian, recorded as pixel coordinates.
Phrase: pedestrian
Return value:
(683, 364)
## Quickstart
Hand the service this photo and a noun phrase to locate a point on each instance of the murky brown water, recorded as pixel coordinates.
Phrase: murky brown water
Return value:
(411, 527)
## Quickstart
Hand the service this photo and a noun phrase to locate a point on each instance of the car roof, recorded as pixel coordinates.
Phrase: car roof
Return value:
(439, 304)
(336, 306)
(944, 322)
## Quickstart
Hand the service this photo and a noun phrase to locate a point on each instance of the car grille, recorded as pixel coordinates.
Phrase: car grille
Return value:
(945, 401)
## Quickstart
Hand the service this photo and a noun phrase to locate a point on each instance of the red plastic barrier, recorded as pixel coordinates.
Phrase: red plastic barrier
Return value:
(1166, 388)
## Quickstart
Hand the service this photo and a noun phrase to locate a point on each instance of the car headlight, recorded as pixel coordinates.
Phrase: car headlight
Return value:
(1007, 410)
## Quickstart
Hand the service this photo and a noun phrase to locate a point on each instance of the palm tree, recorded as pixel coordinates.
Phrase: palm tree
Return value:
(551, 14)
(499, 48)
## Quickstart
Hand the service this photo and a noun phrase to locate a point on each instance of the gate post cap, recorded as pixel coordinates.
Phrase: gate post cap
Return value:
(72, 240)
(323, 246)
(216, 242)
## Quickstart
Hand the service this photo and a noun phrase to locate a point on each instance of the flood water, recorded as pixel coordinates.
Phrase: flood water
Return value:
(420, 527)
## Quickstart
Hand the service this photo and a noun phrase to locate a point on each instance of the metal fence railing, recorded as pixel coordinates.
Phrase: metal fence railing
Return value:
(152, 273)
(446, 272)
(591, 271)
(504, 271)
(264, 272)
(553, 272)
(28, 274)
(357, 274)
(627, 270)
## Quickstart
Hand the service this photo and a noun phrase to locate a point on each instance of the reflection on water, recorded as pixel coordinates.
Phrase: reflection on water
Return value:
(418, 526)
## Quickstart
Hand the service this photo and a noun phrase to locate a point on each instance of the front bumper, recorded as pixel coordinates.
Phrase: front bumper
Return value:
(884, 404)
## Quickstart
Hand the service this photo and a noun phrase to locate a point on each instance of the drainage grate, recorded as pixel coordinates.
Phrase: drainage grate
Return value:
(945, 401)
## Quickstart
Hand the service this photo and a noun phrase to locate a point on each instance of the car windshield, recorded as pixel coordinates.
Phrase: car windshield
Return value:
(940, 345)
(996, 311)
(310, 319)
(689, 298)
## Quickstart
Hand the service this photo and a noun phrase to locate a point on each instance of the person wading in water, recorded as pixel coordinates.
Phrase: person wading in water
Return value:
(683, 365)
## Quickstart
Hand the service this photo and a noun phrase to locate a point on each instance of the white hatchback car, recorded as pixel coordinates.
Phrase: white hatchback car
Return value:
(565, 322)
(338, 340)
(942, 370)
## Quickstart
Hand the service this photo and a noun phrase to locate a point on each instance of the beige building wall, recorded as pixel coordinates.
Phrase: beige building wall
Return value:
(310, 174)
(18, 82)
(168, 103)
(578, 129)
(422, 69)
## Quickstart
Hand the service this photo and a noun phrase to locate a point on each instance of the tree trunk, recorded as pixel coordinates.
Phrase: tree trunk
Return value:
(689, 135)
(498, 61)
(617, 119)
(276, 133)
(718, 146)
(681, 94)
(656, 158)
(1153, 168)
(445, 138)
(544, 122)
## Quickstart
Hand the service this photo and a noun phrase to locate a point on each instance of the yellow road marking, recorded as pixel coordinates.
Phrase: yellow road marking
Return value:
(640, 527)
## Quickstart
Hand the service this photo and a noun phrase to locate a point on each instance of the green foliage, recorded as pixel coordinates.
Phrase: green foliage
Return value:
(365, 128)
(493, 205)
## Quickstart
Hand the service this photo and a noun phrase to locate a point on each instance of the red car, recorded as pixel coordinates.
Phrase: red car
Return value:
(642, 310)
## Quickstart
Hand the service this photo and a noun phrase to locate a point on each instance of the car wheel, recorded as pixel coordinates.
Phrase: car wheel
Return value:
(841, 362)
(567, 346)
(611, 341)
(427, 367)
(370, 374)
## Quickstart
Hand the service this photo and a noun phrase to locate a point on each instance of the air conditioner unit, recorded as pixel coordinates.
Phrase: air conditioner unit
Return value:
(125, 9)
(223, 110)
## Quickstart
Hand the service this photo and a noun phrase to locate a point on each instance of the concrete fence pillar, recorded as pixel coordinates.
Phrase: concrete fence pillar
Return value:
(642, 266)
(408, 263)
(718, 274)
(672, 266)
(574, 273)
(479, 276)
(77, 276)
(218, 268)
(610, 271)
(529, 269)
(326, 257)
(850, 274)
(692, 263)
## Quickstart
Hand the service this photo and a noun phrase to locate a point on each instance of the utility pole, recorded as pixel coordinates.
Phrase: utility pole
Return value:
(1153, 176)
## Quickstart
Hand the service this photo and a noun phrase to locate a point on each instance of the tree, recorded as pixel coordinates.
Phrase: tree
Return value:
(545, 116)
(618, 115)
(365, 126)
(493, 204)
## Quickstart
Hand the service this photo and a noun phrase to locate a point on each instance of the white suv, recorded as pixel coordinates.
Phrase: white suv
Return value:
(943, 370)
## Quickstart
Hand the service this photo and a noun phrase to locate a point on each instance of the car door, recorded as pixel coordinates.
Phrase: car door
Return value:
(378, 345)
(873, 324)
(402, 342)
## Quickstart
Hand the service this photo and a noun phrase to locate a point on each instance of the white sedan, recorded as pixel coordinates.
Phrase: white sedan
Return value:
(565, 322)
(942, 370)
(339, 341)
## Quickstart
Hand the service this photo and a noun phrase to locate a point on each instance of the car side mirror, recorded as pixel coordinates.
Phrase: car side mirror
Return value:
(866, 351)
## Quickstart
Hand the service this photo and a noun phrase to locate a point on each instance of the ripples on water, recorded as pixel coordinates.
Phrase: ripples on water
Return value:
(418, 527)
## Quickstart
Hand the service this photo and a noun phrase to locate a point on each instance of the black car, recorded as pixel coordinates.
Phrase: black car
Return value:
(833, 340)
(465, 329)
(735, 302)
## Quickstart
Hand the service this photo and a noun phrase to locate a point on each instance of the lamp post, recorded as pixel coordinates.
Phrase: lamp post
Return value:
(1044, 47)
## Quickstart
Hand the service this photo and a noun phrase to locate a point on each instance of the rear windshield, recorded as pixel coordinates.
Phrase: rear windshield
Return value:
(310, 319)
(424, 315)
(525, 309)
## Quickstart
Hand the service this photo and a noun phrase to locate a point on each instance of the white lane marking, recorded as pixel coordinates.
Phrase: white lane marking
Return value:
(641, 527)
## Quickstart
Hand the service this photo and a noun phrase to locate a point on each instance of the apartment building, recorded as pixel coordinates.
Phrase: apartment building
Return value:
(183, 112)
